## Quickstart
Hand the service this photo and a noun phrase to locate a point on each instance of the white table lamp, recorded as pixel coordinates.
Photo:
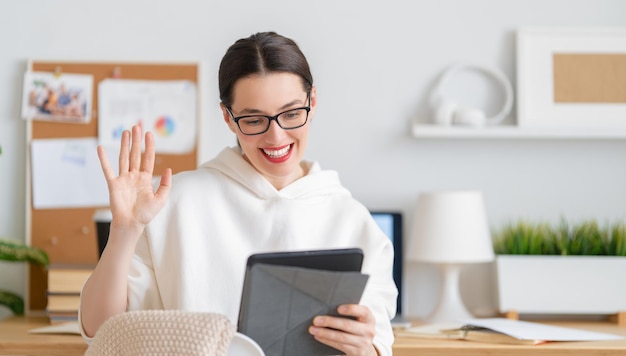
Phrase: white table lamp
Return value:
(450, 229)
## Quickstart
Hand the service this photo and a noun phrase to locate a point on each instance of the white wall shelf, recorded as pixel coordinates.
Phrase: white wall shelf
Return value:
(514, 132)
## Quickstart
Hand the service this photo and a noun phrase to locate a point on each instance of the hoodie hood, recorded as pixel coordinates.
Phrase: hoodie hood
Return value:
(316, 183)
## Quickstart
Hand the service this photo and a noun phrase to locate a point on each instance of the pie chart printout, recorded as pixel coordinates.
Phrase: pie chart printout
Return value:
(165, 126)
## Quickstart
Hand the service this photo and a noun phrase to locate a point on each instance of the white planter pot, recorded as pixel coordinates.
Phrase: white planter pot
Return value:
(561, 284)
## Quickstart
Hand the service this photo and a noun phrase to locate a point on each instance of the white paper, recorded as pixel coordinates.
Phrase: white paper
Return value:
(57, 97)
(64, 328)
(525, 330)
(66, 173)
(165, 108)
(432, 330)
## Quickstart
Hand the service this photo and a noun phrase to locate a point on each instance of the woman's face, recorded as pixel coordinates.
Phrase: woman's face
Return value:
(276, 153)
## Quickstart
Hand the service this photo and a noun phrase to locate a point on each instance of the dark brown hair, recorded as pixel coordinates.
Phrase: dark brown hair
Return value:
(261, 53)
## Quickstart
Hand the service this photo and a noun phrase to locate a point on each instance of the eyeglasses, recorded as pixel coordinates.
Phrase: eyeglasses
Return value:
(258, 124)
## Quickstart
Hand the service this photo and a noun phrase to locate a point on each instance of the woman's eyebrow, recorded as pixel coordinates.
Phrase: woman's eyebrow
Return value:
(257, 111)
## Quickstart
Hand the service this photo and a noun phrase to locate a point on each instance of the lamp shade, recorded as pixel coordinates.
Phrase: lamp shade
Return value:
(450, 227)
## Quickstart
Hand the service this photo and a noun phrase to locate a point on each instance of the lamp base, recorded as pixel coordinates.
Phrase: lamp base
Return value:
(450, 307)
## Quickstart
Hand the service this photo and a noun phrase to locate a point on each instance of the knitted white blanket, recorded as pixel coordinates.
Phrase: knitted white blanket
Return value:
(163, 332)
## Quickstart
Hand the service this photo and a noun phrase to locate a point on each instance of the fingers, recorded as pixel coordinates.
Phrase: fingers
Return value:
(131, 159)
(164, 185)
(135, 149)
(359, 326)
(124, 149)
(360, 312)
(351, 335)
(130, 151)
(350, 344)
(104, 163)
(148, 157)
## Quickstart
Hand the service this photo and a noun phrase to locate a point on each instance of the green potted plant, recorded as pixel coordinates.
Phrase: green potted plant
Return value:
(568, 268)
(16, 252)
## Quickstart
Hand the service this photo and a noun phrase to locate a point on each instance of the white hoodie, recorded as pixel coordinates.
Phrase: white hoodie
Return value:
(192, 256)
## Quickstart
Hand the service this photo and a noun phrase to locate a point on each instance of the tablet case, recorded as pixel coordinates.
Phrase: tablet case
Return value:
(279, 303)
(342, 259)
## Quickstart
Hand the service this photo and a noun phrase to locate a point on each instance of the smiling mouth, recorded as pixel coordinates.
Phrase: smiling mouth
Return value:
(277, 153)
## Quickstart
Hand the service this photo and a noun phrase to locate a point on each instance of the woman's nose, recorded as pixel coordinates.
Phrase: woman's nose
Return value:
(275, 131)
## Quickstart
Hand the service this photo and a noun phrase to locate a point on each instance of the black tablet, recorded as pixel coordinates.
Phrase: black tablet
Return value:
(284, 291)
(338, 260)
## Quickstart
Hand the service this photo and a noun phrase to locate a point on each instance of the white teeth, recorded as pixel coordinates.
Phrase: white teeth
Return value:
(277, 153)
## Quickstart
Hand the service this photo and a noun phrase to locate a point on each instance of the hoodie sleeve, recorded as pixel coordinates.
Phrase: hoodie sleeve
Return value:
(143, 292)
(381, 293)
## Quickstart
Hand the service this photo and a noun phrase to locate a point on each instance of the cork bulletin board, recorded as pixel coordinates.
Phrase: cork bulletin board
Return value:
(68, 235)
(571, 77)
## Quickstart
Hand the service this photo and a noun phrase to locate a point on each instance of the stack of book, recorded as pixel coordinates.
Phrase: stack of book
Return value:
(64, 285)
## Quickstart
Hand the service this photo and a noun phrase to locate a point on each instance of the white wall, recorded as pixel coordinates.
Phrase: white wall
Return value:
(374, 63)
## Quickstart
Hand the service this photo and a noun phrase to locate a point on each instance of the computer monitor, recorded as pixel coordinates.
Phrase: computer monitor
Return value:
(391, 224)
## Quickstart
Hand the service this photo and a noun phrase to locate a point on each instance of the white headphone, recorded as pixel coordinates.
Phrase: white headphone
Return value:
(448, 112)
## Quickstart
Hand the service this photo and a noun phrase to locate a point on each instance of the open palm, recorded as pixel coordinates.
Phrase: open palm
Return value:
(134, 203)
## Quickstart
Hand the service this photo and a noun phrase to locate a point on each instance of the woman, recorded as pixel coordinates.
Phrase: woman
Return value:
(185, 245)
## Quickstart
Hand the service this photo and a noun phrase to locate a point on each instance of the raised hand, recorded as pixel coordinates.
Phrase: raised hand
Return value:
(133, 201)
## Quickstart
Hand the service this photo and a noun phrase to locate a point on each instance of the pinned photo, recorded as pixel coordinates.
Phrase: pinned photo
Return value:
(57, 97)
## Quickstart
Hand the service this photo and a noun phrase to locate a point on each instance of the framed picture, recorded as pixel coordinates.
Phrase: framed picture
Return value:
(571, 77)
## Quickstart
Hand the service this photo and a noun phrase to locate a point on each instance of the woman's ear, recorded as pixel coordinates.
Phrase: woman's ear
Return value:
(227, 119)
(313, 100)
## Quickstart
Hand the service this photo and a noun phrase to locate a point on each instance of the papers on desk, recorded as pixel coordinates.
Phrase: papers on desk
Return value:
(500, 330)
(64, 328)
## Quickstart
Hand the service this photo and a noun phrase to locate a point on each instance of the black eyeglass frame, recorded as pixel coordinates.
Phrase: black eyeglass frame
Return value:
(272, 118)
